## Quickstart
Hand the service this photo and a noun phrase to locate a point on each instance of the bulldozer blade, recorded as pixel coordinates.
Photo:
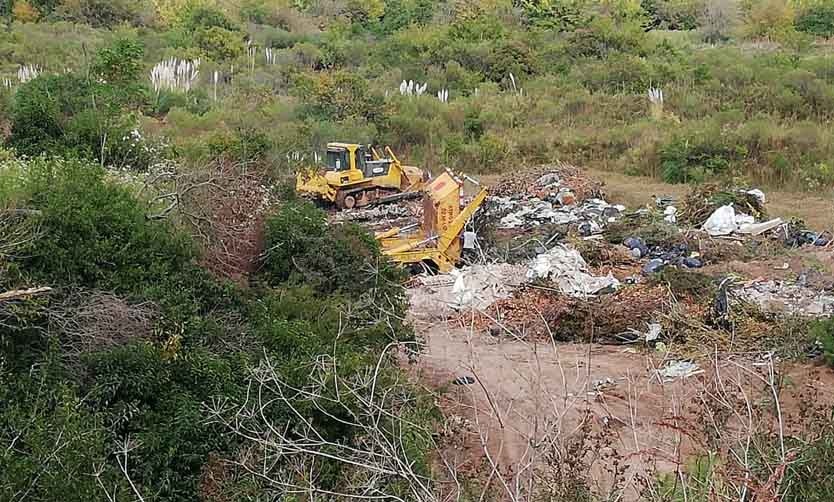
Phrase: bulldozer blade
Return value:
(396, 198)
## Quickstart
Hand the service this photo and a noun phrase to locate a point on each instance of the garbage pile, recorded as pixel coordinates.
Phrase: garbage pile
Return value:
(560, 209)
(703, 200)
(473, 287)
(376, 213)
(566, 268)
(782, 297)
(659, 257)
(725, 221)
(546, 181)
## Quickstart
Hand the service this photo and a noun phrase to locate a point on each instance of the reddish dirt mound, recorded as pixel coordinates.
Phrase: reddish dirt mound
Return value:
(542, 313)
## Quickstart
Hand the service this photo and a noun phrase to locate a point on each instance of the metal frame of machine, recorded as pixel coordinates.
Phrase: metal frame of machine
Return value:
(438, 239)
(356, 176)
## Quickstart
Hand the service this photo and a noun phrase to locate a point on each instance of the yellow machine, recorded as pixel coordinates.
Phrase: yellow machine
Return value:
(438, 239)
(356, 175)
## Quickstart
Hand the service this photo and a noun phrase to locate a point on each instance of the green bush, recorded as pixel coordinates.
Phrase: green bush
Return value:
(338, 96)
(74, 115)
(303, 249)
(817, 19)
(106, 13)
(698, 158)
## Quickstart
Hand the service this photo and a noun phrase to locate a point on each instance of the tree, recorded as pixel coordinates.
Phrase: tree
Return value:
(121, 62)
(25, 12)
(719, 20)
(770, 19)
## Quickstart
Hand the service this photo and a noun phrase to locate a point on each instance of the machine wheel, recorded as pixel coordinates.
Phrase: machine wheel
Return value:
(350, 201)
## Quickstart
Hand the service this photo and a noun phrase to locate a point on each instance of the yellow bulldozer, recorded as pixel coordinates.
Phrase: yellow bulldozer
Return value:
(437, 240)
(356, 176)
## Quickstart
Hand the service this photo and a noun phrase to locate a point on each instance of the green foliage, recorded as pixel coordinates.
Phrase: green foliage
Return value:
(71, 114)
(245, 144)
(562, 15)
(303, 249)
(120, 63)
(219, 43)
(254, 11)
(106, 13)
(95, 232)
(202, 16)
(698, 157)
(823, 332)
(817, 19)
(340, 95)
(772, 19)
(55, 442)
(810, 478)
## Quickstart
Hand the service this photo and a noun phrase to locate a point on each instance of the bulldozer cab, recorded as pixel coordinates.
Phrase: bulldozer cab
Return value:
(344, 157)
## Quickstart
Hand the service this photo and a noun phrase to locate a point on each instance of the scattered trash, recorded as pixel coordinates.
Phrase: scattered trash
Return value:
(464, 380)
(725, 221)
(782, 297)
(569, 270)
(692, 262)
(758, 194)
(760, 228)
(679, 369)
(653, 332)
(662, 201)
(637, 246)
(602, 384)
(476, 286)
(722, 221)
(669, 214)
(654, 265)
(516, 212)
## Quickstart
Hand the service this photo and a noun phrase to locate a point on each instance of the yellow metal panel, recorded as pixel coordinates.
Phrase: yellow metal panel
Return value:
(442, 186)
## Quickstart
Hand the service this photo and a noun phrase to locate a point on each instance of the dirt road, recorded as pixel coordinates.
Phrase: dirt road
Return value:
(526, 406)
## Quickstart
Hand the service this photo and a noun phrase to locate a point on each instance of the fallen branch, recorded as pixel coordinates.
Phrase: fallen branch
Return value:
(23, 293)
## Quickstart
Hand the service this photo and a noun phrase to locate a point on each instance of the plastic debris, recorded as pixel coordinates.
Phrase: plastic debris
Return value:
(725, 221)
(679, 369)
(782, 297)
(759, 228)
(635, 243)
(528, 212)
(654, 265)
(463, 380)
(653, 331)
(570, 271)
(670, 214)
(566, 198)
(691, 262)
(476, 287)
(755, 192)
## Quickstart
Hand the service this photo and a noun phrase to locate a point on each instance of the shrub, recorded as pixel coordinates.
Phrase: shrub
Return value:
(218, 43)
(339, 95)
(303, 249)
(696, 158)
(24, 12)
(817, 19)
(120, 63)
(95, 233)
(106, 13)
(771, 19)
(561, 15)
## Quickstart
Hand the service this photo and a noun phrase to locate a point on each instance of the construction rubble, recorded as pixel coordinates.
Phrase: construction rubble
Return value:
(568, 270)
(780, 297)
(594, 271)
